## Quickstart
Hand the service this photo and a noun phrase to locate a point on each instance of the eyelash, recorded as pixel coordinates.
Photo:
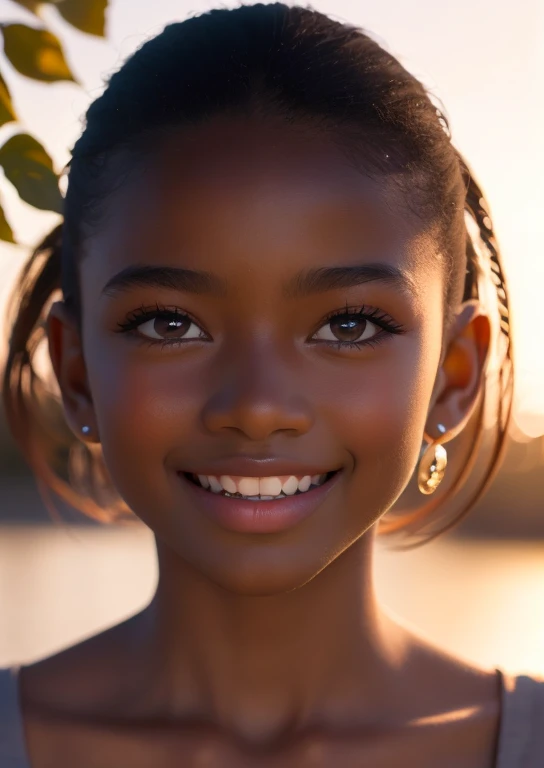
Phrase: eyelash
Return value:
(376, 316)
(373, 315)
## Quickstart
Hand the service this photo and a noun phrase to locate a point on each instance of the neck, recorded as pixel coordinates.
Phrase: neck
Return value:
(262, 666)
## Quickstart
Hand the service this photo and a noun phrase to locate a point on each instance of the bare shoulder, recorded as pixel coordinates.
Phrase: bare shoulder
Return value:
(78, 676)
(460, 706)
(68, 700)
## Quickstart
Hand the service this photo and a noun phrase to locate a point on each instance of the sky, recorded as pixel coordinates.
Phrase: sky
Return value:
(483, 59)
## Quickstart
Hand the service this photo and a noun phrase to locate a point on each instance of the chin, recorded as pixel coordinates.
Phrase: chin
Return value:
(255, 572)
(260, 584)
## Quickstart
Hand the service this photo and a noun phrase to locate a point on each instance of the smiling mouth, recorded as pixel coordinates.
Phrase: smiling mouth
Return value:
(259, 488)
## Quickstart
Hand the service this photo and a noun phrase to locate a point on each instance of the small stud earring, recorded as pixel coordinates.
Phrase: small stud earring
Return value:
(85, 430)
(441, 428)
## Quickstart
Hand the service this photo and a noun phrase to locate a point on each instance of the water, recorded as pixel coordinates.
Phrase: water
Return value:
(483, 600)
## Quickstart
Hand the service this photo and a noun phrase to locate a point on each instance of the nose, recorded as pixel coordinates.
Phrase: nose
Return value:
(259, 394)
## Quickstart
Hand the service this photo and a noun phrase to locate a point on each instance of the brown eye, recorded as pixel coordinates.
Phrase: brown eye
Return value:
(170, 326)
(348, 329)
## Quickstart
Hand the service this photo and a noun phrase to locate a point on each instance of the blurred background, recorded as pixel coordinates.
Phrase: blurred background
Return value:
(479, 590)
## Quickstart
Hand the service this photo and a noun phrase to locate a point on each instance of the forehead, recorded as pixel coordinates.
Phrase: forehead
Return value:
(236, 193)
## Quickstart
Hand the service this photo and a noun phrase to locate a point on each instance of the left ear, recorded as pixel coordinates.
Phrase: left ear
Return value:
(460, 377)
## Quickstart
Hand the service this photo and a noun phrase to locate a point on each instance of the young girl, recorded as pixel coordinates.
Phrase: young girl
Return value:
(273, 267)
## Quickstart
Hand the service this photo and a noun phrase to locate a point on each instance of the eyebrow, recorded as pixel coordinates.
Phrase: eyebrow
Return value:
(306, 283)
(321, 279)
(173, 278)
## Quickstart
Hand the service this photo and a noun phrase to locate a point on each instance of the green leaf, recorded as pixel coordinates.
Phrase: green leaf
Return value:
(30, 169)
(7, 113)
(6, 233)
(87, 15)
(35, 53)
(31, 5)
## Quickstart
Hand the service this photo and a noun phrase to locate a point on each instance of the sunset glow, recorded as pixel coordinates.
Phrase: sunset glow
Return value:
(493, 102)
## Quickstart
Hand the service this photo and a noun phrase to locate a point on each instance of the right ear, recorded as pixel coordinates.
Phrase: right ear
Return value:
(66, 352)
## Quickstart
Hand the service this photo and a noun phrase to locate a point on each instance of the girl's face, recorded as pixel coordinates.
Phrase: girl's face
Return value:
(306, 338)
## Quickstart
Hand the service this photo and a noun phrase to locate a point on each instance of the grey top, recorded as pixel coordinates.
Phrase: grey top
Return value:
(521, 733)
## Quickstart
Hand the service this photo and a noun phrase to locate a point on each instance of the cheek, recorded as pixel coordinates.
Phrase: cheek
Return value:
(382, 411)
(145, 403)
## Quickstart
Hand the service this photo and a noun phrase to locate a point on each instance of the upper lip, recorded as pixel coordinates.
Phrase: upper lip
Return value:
(241, 466)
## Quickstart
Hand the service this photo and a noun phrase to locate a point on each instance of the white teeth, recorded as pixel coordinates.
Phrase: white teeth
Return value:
(305, 483)
(290, 486)
(269, 486)
(260, 487)
(215, 485)
(249, 486)
(228, 484)
(204, 481)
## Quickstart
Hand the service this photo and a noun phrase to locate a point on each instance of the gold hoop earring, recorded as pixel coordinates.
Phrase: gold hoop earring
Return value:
(432, 465)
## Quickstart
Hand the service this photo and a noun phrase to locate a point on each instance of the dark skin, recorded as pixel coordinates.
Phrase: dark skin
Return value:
(262, 649)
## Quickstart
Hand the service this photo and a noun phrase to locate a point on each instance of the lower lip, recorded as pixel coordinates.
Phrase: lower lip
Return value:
(243, 516)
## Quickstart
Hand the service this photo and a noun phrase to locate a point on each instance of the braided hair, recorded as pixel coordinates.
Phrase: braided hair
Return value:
(483, 264)
(270, 60)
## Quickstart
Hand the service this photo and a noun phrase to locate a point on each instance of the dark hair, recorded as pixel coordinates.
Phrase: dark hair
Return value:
(271, 61)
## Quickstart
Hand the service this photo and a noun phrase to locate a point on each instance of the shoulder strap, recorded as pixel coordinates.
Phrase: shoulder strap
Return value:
(12, 741)
(521, 737)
